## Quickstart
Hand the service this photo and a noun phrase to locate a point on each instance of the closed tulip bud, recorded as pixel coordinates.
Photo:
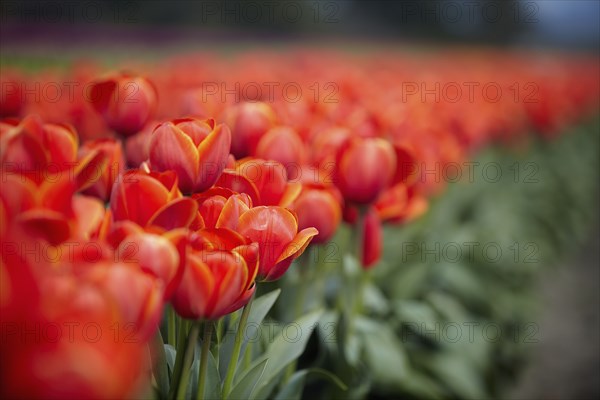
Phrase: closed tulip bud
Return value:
(283, 144)
(319, 208)
(275, 229)
(196, 150)
(248, 123)
(125, 102)
(364, 168)
(103, 179)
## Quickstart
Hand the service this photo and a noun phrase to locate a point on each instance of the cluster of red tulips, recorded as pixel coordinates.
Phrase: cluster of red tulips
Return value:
(194, 179)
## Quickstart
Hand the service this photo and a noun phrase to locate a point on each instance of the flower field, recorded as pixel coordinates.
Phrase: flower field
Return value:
(308, 224)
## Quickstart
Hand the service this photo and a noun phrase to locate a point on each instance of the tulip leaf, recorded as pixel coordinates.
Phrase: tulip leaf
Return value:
(244, 387)
(170, 354)
(286, 347)
(293, 389)
(385, 355)
(258, 311)
(213, 379)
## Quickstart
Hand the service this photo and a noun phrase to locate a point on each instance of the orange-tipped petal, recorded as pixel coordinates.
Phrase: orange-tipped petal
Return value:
(172, 149)
(213, 152)
(179, 213)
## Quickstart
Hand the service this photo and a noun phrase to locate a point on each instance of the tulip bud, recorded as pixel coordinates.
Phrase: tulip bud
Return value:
(34, 148)
(104, 178)
(214, 283)
(319, 208)
(248, 122)
(364, 168)
(137, 147)
(125, 102)
(196, 150)
(283, 144)
(155, 255)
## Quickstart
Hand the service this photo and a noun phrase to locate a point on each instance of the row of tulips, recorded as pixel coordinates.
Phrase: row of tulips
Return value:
(133, 202)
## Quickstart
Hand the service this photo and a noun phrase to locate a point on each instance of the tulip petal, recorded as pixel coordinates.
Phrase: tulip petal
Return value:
(238, 183)
(291, 193)
(213, 152)
(297, 246)
(235, 206)
(172, 149)
(179, 213)
(45, 224)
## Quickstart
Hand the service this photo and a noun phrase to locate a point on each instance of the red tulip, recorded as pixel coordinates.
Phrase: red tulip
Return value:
(155, 255)
(284, 145)
(264, 181)
(364, 168)
(318, 207)
(32, 147)
(216, 281)
(196, 150)
(248, 122)
(137, 147)
(125, 102)
(51, 336)
(221, 208)
(275, 229)
(151, 199)
(112, 151)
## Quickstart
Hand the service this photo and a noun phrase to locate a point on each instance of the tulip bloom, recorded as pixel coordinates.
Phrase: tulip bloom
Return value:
(264, 181)
(151, 199)
(318, 207)
(56, 363)
(216, 281)
(33, 147)
(248, 122)
(125, 102)
(275, 229)
(364, 168)
(196, 150)
(284, 145)
(156, 255)
(114, 165)
(221, 208)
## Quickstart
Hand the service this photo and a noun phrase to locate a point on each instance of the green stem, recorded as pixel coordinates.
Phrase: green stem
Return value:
(208, 330)
(237, 346)
(176, 377)
(187, 361)
(171, 330)
(356, 282)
